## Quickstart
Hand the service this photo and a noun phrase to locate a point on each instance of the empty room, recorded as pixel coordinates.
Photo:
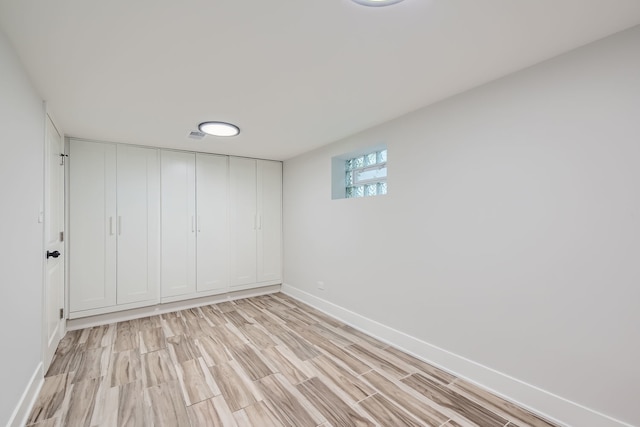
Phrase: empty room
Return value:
(320, 213)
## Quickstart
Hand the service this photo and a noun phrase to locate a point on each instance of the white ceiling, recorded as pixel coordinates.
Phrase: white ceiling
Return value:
(293, 74)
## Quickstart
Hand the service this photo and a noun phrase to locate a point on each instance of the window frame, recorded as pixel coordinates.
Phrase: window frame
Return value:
(351, 180)
(377, 166)
(339, 168)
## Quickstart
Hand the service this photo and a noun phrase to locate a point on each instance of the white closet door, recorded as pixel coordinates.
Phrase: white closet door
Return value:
(269, 180)
(138, 224)
(212, 241)
(243, 218)
(92, 222)
(178, 260)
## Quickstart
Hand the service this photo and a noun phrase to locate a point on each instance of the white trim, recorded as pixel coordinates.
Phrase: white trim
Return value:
(176, 298)
(160, 303)
(542, 402)
(28, 399)
(110, 309)
(43, 229)
(47, 358)
(123, 315)
(250, 286)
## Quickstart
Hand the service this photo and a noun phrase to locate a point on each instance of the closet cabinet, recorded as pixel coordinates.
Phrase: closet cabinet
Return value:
(178, 172)
(243, 242)
(138, 207)
(92, 212)
(194, 225)
(269, 234)
(150, 226)
(114, 227)
(212, 260)
(256, 222)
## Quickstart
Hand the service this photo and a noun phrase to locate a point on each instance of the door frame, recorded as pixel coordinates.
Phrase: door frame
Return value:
(46, 165)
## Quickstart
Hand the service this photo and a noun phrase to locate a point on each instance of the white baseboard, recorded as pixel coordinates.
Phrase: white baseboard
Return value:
(136, 313)
(28, 399)
(546, 404)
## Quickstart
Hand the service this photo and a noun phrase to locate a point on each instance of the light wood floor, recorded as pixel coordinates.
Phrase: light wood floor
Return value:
(263, 361)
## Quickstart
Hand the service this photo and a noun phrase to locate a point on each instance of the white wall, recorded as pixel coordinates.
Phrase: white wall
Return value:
(21, 253)
(511, 232)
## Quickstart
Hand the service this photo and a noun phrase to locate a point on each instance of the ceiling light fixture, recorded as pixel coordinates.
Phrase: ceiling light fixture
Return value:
(219, 128)
(377, 2)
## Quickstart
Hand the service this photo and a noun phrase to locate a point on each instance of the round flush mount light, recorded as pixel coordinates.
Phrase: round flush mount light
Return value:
(219, 128)
(377, 2)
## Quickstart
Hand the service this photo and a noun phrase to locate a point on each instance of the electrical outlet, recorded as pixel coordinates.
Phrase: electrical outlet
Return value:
(321, 286)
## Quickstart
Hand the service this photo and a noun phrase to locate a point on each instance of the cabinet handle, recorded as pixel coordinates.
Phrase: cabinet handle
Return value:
(193, 224)
(111, 226)
(119, 226)
(199, 226)
(259, 222)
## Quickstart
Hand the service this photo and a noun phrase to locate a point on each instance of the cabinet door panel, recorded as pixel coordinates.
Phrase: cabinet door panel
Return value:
(269, 221)
(242, 239)
(138, 224)
(92, 221)
(178, 220)
(212, 242)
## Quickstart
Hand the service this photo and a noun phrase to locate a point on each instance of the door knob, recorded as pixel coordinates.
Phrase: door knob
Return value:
(54, 254)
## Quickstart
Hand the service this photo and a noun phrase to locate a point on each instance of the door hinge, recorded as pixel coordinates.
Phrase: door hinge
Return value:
(62, 156)
(62, 313)
(62, 236)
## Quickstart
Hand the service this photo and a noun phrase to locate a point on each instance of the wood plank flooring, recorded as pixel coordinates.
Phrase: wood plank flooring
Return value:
(262, 361)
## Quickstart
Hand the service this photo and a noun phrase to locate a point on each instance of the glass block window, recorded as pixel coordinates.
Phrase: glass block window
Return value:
(366, 175)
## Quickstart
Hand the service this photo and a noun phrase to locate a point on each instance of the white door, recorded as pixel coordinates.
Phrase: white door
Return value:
(138, 224)
(243, 221)
(269, 179)
(178, 182)
(54, 247)
(92, 225)
(212, 241)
